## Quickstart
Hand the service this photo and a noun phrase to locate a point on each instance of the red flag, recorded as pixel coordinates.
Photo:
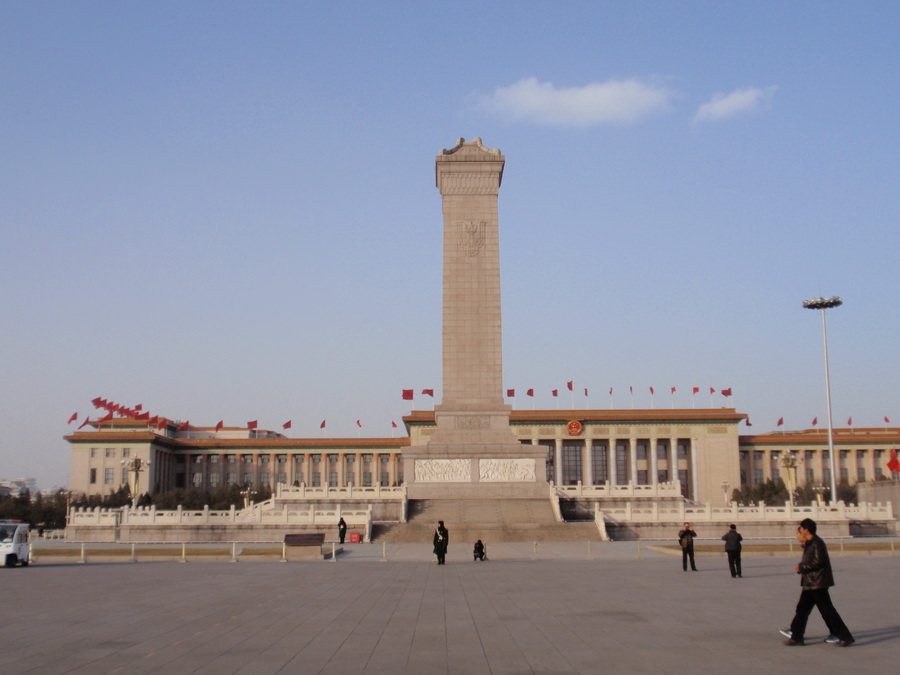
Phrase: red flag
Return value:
(570, 384)
(252, 424)
(726, 392)
(428, 392)
(393, 424)
(359, 424)
(887, 420)
(86, 421)
(530, 392)
(850, 421)
(184, 426)
(162, 423)
(153, 420)
(139, 406)
(651, 391)
(894, 464)
(696, 390)
(73, 418)
(107, 417)
(631, 390)
(510, 393)
(780, 421)
(322, 425)
(407, 395)
(96, 402)
(673, 390)
(220, 424)
(287, 425)
(585, 392)
(815, 421)
(748, 422)
(610, 391)
(144, 416)
(712, 390)
(555, 392)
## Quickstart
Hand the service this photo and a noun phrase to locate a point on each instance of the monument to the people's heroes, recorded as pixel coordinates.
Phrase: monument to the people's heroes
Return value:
(472, 452)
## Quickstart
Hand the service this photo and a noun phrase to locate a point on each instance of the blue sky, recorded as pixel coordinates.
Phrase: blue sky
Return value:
(227, 210)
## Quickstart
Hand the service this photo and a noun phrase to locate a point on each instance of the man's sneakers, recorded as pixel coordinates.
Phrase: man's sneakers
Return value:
(837, 642)
(790, 642)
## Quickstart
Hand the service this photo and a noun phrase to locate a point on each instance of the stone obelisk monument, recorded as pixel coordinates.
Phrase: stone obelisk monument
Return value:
(472, 452)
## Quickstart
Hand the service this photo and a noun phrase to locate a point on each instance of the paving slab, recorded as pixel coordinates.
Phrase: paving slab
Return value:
(560, 608)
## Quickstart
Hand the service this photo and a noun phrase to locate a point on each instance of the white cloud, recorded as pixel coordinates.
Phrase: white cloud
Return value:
(613, 101)
(738, 102)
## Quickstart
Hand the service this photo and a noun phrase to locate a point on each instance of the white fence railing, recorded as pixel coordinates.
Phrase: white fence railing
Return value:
(681, 512)
(658, 491)
(150, 516)
(373, 493)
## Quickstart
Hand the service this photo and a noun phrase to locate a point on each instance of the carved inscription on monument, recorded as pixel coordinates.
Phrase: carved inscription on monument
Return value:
(473, 422)
(442, 471)
(471, 237)
(506, 470)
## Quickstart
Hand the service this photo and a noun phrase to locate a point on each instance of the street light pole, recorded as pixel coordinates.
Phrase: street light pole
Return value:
(822, 304)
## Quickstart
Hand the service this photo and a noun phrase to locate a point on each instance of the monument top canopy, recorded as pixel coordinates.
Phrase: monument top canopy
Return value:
(470, 150)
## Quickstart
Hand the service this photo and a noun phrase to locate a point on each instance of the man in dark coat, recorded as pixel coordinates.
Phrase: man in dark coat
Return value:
(441, 539)
(732, 540)
(686, 540)
(342, 529)
(816, 577)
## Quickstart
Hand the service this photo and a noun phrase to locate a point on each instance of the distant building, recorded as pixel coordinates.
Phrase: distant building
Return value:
(17, 486)
(700, 448)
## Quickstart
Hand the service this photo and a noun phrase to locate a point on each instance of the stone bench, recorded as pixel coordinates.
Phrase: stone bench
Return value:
(307, 546)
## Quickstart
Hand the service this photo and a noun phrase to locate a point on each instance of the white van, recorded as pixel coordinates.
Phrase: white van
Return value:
(14, 546)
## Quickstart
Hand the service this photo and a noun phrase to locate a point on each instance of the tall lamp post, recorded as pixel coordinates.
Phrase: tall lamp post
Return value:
(135, 465)
(822, 304)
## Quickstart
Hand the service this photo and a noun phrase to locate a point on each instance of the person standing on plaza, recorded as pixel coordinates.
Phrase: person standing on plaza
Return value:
(342, 529)
(816, 577)
(686, 541)
(732, 540)
(440, 540)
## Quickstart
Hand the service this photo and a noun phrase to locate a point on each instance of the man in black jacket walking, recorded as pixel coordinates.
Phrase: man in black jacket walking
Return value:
(815, 578)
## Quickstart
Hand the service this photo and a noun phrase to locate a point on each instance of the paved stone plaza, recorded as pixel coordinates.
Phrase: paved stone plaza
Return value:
(564, 608)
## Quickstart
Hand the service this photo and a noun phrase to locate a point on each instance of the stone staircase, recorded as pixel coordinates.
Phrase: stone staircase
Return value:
(491, 520)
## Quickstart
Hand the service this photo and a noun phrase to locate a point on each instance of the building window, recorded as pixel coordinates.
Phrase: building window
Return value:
(264, 459)
(662, 451)
(332, 459)
(810, 455)
(316, 459)
(126, 452)
(282, 459)
(247, 459)
(349, 475)
(757, 476)
(367, 459)
(124, 475)
(641, 451)
(350, 459)
(682, 451)
(810, 475)
(683, 476)
(93, 452)
(282, 477)
(214, 480)
(599, 464)
(110, 452)
(621, 465)
(861, 474)
(298, 478)
(231, 478)
(367, 479)
(316, 479)
(248, 479)
(642, 476)
(298, 459)
(332, 479)
(571, 463)
(93, 476)
(213, 459)
(844, 474)
(197, 479)
(108, 476)
(231, 459)
(385, 479)
(198, 459)
(264, 478)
